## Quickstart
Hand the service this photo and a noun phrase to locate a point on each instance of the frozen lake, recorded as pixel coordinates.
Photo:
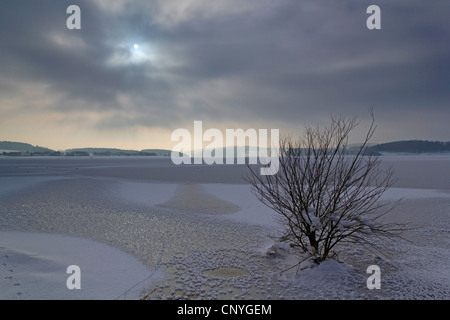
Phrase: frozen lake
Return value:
(412, 171)
(196, 231)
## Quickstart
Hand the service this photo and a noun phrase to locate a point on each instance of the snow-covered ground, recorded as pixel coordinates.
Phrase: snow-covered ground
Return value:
(198, 232)
(34, 266)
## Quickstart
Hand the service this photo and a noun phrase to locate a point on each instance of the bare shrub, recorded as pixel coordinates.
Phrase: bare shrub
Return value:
(326, 193)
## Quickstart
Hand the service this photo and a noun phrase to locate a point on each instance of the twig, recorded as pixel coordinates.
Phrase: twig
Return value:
(157, 266)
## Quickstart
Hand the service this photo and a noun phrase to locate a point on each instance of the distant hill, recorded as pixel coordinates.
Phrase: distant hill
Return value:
(9, 148)
(21, 147)
(18, 149)
(158, 152)
(100, 151)
(116, 152)
(412, 146)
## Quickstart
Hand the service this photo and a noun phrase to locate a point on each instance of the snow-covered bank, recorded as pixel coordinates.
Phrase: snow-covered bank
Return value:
(33, 266)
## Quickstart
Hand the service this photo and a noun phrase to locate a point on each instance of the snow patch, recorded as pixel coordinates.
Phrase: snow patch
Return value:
(34, 265)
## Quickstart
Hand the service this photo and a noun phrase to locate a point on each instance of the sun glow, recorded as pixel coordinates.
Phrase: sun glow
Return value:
(134, 53)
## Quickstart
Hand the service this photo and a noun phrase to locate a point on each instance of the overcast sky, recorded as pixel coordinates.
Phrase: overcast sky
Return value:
(230, 63)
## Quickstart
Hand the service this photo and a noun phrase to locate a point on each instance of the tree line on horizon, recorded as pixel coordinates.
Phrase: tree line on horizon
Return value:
(9, 148)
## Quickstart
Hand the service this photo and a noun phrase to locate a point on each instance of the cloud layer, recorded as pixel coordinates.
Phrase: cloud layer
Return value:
(254, 63)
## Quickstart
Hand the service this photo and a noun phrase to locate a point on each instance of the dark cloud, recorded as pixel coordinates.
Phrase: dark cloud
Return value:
(283, 63)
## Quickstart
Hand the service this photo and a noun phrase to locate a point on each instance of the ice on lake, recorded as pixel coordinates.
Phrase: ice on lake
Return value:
(202, 231)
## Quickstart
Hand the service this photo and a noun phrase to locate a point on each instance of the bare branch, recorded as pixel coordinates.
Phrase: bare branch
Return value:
(325, 193)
